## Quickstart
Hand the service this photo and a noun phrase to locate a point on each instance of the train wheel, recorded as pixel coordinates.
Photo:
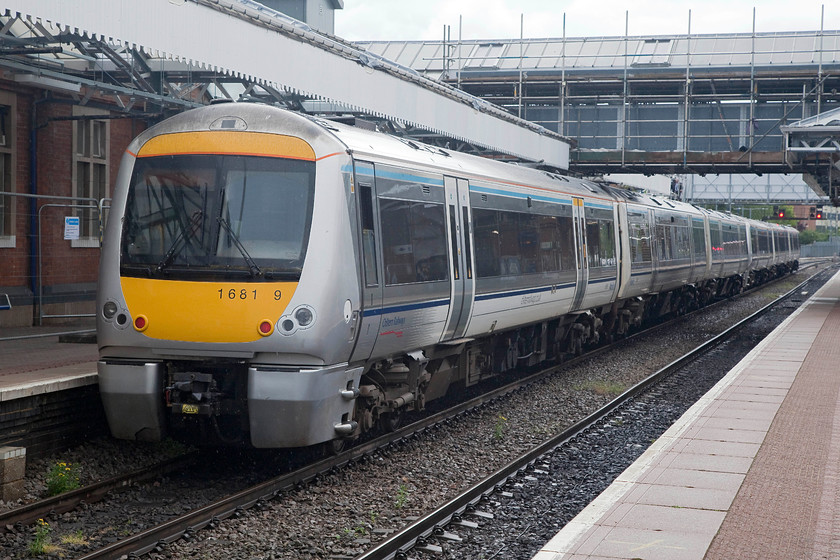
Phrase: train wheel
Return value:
(391, 421)
(335, 446)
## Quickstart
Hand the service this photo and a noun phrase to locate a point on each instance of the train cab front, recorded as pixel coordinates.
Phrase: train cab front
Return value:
(201, 333)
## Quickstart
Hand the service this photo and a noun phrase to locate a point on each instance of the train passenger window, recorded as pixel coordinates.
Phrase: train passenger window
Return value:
(600, 239)
(368, 235)
(639, 243)
(715, 239)
(698, 237)
(763, 242)
(593, 236)
(731, 247)
(415, 248)
(663, 243)
(566, 242)
(682, 245)
(514, 243)
(488, 241)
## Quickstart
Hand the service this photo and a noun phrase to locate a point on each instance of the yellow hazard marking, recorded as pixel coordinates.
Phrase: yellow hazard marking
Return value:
(205, 311)
(228, 142)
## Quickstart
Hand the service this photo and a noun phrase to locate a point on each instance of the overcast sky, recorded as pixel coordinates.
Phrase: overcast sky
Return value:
(500, 19)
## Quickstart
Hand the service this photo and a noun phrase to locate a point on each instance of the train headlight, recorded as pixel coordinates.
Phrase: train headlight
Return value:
(109, 310)
(304, 317)
(301, 318)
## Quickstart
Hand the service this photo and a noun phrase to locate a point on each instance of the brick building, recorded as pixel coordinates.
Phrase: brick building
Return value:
(67, 155)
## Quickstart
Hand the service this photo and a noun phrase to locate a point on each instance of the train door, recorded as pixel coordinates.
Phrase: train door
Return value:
(371, 246)
(462, 283)
(579, 219)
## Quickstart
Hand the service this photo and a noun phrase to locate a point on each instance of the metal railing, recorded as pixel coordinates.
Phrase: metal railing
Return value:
(72, 230)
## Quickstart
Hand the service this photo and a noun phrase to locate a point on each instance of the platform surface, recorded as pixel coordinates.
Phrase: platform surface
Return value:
(33, 361)
(751, 471)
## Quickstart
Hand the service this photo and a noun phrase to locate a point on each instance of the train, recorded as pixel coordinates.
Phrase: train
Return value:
(275, 280)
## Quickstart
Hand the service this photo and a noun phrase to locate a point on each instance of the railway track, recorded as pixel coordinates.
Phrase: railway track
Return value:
(68, 501)
(425, 532)
(158, 537)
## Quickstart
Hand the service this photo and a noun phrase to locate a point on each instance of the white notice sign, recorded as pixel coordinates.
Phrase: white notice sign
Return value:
(71, 227)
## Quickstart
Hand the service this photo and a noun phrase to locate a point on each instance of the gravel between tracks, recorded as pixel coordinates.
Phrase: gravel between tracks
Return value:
(343, 514)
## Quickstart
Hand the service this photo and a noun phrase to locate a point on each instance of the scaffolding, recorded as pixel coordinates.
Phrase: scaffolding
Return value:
(650, 104)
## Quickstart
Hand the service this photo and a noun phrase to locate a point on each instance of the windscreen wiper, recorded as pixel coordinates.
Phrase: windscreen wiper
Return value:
(255, 270)
(180, 242)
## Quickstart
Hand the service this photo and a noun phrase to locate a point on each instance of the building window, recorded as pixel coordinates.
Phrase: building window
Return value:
(90, 174)
(7, 178)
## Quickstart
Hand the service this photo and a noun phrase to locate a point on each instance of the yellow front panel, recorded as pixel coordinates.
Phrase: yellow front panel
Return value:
(206, 311)
(228, 142)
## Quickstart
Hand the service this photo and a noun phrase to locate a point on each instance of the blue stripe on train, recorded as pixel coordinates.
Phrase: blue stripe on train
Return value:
(483, 297)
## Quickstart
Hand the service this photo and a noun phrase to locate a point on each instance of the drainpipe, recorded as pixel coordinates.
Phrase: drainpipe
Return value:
(33, 202)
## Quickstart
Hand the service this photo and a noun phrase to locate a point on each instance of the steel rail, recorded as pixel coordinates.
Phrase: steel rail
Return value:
(90, 493)
(403, 541)
(172, 530)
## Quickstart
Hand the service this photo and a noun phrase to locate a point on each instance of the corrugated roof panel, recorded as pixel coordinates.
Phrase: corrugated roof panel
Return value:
(429, 57)
(717, 51)
(509, 56)
(720, 50)
(392, 52)
(460, 54)
(374, 47)
(534, 54)
(611, 53)
(587, 56)
(552, 55)
(486, 55)
(531, 55)
(803, 50)
(573, 48)
(679, 46)
(408, 54)
(831, 49)
(765, 49)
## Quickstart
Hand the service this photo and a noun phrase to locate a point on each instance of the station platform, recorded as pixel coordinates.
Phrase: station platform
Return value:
(34, 360)
(751, 471)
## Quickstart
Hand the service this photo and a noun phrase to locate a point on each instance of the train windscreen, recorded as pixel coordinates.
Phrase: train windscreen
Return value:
(217, 217)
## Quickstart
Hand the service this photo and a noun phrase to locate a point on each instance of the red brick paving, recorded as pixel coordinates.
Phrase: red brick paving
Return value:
(788, 506)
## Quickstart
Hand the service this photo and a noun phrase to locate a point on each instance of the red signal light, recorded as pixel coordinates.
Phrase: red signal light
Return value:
(781, 214)
(819, 215)
(265, 327)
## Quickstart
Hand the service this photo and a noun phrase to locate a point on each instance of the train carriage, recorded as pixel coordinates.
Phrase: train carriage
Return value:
(275, 280)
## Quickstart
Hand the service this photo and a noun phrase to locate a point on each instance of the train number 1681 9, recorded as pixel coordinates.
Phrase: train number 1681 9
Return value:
(243, 294)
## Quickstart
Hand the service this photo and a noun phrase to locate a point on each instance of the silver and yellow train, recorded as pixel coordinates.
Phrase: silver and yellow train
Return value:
(275, 280)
